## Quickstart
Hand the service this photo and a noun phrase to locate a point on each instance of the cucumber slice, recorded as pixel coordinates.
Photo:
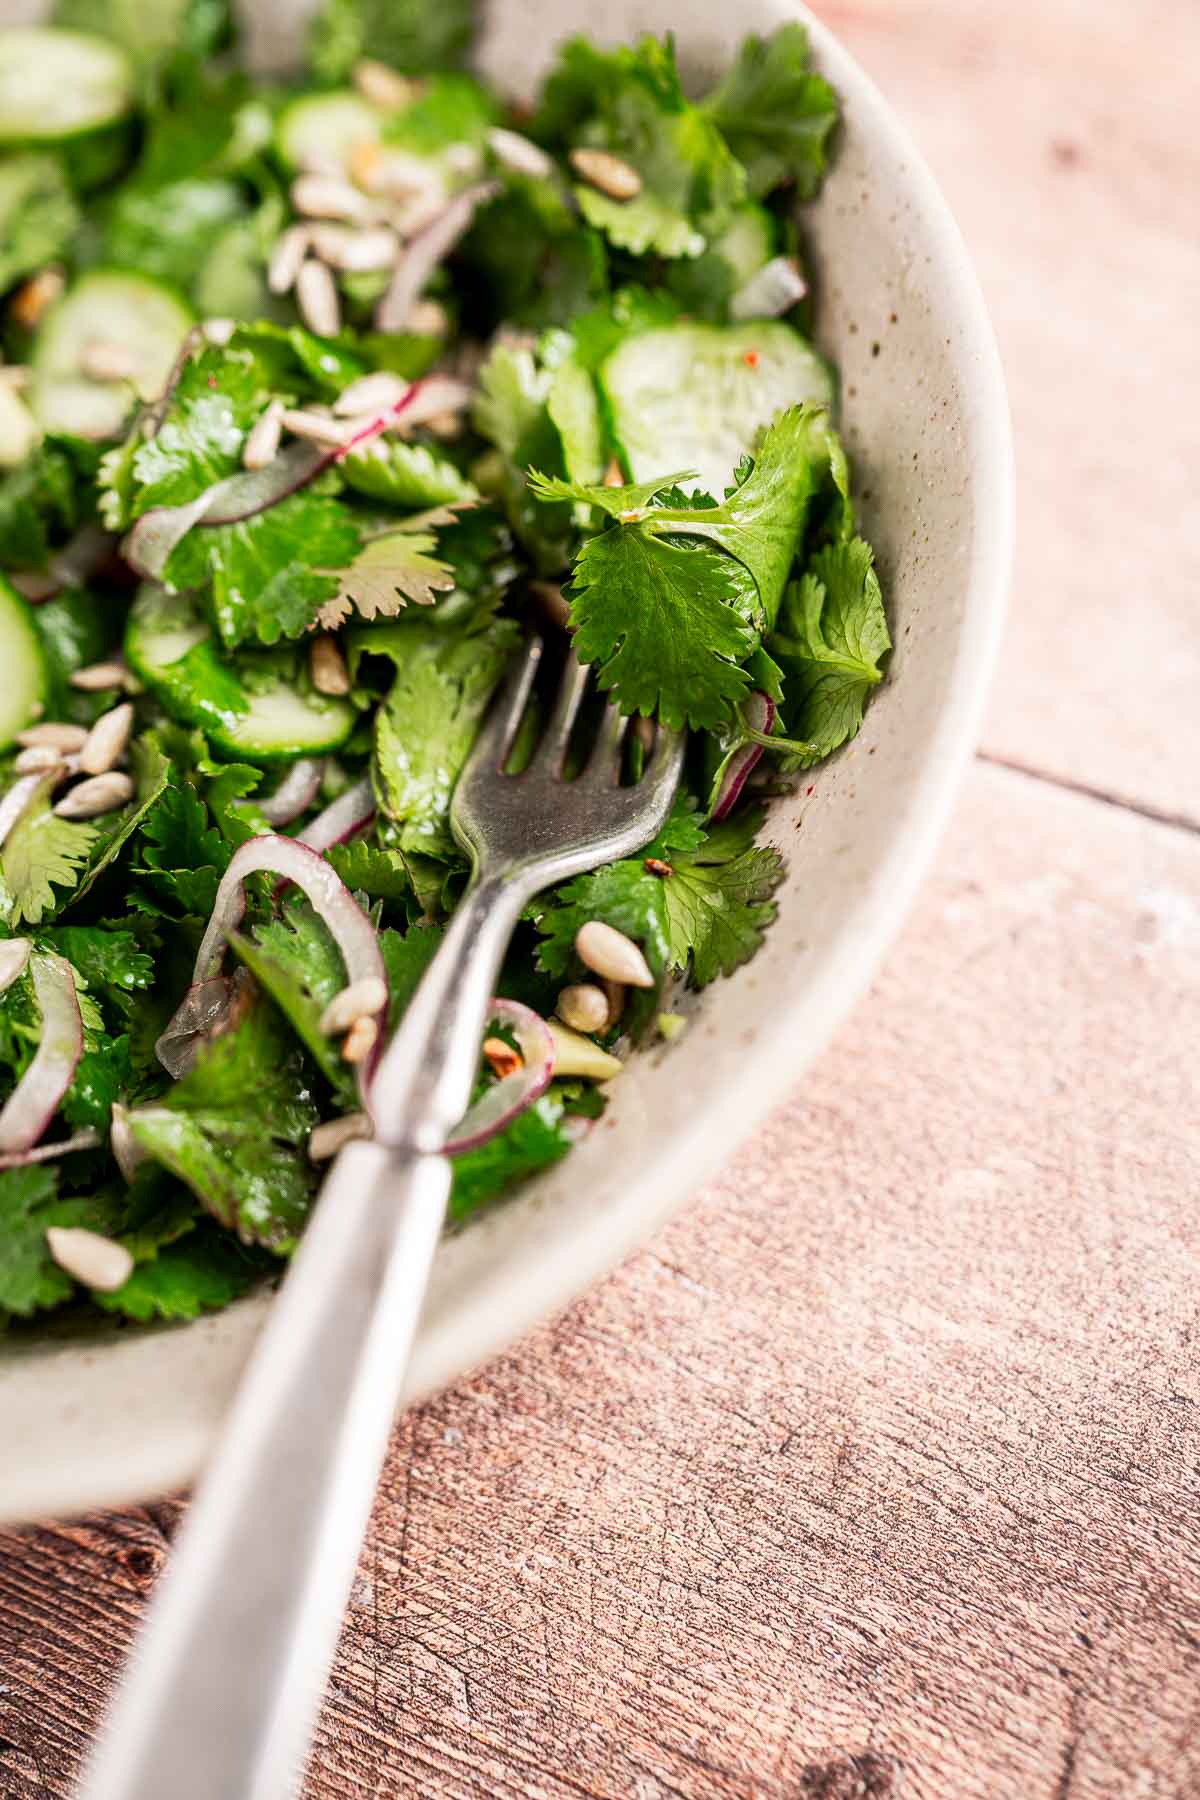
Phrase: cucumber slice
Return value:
(698, 396)
(106, 307)
(57, 85)
(322, 131)
(256, 704)
(26, 681)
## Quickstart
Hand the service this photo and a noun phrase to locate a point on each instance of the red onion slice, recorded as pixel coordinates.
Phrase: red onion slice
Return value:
(759, 711)
(21, 1159)
(331, 899)
(295, 793)
(147, 547)
(424, 252)
(501, 1104)
(349, 813)
(36, 1097)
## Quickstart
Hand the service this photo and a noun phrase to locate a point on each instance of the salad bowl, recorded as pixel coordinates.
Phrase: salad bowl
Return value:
(112, 1415)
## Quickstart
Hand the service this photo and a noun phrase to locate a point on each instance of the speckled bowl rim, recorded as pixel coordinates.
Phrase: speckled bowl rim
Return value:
(110, 1421)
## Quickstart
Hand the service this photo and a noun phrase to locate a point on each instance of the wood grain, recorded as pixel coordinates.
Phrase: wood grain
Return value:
(874, 1477)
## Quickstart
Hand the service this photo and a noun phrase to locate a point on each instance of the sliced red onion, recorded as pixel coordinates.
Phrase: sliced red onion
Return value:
(36, 1097)
(147, 547)
(295, 793)
(290, 860)
(770, 291)
(759, 711)
(21, 795)
(342, 818)
(21, 1159)
(14, 960)
(422, 254)
(501, 1104)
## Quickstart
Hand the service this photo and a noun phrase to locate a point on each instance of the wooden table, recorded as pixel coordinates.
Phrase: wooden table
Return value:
(875, 1475)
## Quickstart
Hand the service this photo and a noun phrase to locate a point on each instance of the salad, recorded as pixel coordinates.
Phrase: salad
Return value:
(314, 396)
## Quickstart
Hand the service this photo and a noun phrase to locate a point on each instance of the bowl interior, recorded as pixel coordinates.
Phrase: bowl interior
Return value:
(120, 1415)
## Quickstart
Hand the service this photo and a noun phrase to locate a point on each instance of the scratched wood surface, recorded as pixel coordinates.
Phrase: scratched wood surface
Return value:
(874, 1477)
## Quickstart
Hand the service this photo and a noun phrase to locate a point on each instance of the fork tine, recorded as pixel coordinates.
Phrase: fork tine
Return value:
(567, 702)
(666, 759)
(604, 764)
(508, 707)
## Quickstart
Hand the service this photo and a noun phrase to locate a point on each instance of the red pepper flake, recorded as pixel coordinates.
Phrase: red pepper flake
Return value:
(808, 790)
(654, 865)
(212, 381)
(503, 1058)
(751, 359)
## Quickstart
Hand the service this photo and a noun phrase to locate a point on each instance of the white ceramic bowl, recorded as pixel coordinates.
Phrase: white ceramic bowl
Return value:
(123, 1415)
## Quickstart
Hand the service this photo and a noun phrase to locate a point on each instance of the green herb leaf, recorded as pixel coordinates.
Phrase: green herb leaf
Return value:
(204, 1271)
(41, 853)
(38, 215)
(407, 34)
(831, 639)
(391, 569)
(406, 475)
(295, 958)
(234, 1129)
(776, 113)
(29, 1277)
(38, 505)
(535, 1140)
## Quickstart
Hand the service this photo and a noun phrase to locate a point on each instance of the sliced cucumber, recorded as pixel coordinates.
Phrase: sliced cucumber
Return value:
(57, 84)
(26, 680)
(323, 131)
(110, 308)
(257, 704)
(698, 396)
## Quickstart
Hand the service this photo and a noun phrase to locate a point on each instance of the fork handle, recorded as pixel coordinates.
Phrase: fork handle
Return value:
(226, 1680)
(225, 1684)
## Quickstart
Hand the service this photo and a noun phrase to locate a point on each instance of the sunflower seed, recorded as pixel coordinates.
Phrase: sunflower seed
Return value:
(14, 956)
(219, 331)
(327, 667)
(68, 738)
(360, 1040)
(577, 1055)
(355, 252)
(611, 953)
(38, 760)
(94, 677)
(427, 318)
(614, 993)
(328, 1139)
(106, 741)
(96, 1261)
(371, 394)
(383, 86)
(291, 248)
(127, 1152)
(99, 794)
(329, 197)
(34, 298)
(104, 360)
(262, 440)
(317, 299)
(601, 169)
(317, 427)
(518, 153)
(362, 999)
(583, 1007)
(445, 425)
(462, 160)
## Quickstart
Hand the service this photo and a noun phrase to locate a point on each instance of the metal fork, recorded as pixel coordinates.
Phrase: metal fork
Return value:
(225, 1682)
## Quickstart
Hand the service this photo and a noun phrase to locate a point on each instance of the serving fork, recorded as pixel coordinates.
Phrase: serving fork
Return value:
(224, 1684)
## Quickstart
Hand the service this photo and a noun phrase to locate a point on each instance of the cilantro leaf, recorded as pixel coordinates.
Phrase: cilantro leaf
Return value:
(426, 726)
(104, 1072)
(295, 958)
(718, 912)
(776, 113)
(622, 894)
(38, 215)
(367, 869)
(153, 32)
(38, 504)
(29, 1277)
(407, 34)
(184, 856)
(41, 853)
(532, 261)
(110, 961)
(392, 568)
(406, 475)
(218, 397)
(832, 636)
(629, 102)
(270, 572)
(151, 771)
(535, 1140)
(203, 1271)
(234, 1130)
(407, 955)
